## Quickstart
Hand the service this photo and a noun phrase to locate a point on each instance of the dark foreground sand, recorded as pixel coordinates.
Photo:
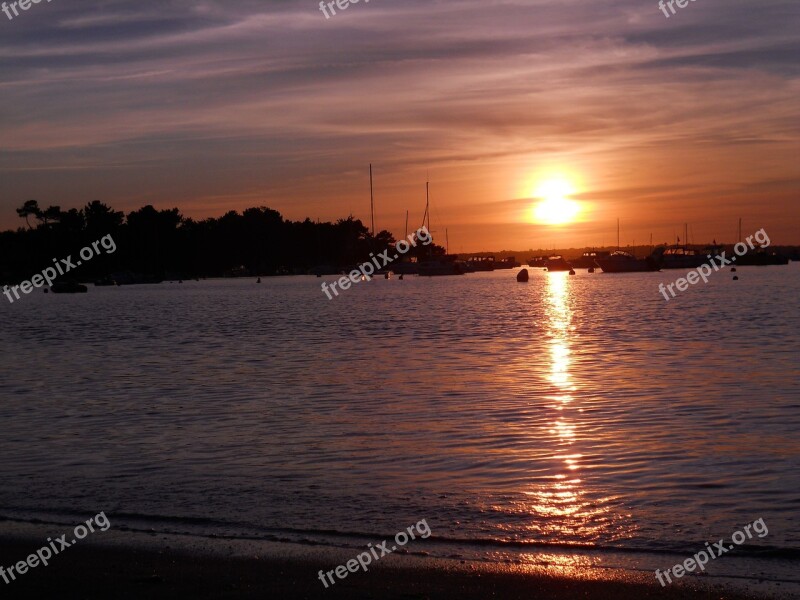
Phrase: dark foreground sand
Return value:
(89, 571)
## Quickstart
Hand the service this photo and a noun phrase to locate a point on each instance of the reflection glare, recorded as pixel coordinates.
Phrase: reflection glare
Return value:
(559, 508)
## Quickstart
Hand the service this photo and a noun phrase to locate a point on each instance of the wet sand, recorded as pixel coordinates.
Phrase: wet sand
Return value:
(155, 568)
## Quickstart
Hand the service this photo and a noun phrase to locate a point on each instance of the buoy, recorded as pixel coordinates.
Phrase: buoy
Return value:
(572, 271)
(733, 269)
(736, 278)
(258, 280)
(401, 277)
(522, 276)
(591, 269)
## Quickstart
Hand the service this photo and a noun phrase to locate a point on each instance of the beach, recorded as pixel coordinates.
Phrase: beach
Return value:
(140, 565)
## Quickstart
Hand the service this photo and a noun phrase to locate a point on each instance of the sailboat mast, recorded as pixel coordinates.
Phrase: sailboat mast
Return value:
(371, 200)
(427, 208)
(446, 241)
(406, 223)
(427, 203)
(617, 234)
(428, 216)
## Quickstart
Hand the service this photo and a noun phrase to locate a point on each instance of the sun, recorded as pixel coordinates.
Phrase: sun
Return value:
(554, 206)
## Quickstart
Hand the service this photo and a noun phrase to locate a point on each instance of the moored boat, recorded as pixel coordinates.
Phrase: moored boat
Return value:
(405, 267)
(761, 258)
(684, 257)
(437, 264)
(481, 263)
(624, 262)
(537, 262)
(587, 260)
(509, 262)
(557, 263)
(446, 265)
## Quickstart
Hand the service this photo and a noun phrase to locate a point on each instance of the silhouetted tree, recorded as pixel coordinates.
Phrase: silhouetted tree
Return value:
(31, 207)
(49, 215)
(72, 221)
(101, 219)
(150, 239)
(160, 242)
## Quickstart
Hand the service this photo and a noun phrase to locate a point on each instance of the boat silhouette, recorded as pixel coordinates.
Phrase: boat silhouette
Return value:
(624, 262)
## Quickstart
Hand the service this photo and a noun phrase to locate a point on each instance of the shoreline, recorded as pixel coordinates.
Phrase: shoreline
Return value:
(133, 564)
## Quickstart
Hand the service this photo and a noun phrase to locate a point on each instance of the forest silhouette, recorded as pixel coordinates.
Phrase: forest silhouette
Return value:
(163, 244)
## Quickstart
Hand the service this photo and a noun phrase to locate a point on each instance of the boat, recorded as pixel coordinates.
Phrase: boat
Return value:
(405, 267)
(537, 262)
(679, 257)
(436, 266)
(761, 258)
(68, 287)
(624, 262)
(557, 263)
(684, 256)
(509, 262)
(481, 263)
(587, 260)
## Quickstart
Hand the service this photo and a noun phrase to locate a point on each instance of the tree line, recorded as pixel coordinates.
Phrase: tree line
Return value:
(165, 244)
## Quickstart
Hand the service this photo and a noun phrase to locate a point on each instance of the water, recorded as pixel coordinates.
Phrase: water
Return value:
(569, 411)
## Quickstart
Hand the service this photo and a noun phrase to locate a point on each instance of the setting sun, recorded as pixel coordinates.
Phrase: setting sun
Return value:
(554, 206)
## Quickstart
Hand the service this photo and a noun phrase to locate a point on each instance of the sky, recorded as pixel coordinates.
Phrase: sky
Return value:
(662, 123)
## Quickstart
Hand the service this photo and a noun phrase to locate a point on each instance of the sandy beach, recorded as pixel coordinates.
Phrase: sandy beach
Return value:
(140, 565)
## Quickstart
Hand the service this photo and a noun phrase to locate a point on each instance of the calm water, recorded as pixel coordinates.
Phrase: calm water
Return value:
(570, 410)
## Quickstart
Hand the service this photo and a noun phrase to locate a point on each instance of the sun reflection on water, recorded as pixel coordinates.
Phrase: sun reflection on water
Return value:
(562, 501)
(560, 509)
(559, 319)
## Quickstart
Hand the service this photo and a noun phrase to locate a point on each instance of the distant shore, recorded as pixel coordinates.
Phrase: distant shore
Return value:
(133, 565)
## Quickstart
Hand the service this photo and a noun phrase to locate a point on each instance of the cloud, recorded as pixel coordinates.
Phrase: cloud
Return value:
(183, 101)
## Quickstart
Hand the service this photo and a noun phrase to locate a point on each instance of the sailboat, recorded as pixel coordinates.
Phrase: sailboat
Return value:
(433, 266)
(386, 271)
(587, 260)
(759, 258)
(557, 263)
(625, 262)
(682, 256)
(407, 265)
